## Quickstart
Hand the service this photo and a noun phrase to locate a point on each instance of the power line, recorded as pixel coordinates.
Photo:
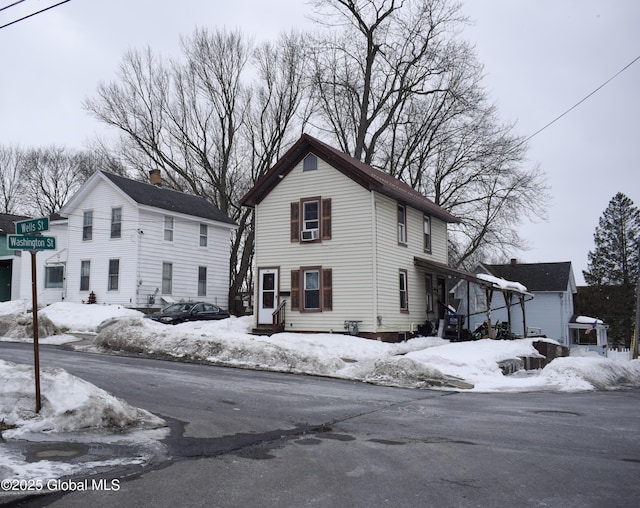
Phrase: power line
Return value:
(11, 5)
(29, 15)
(585, 98)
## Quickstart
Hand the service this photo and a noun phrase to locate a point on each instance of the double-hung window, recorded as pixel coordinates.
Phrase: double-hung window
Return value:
(168, 229)
(402, 224)
(427, 233)
(85, 272)
(404, 293)
(204, 235)
(116, 222)
(167, 277)
(202, 281)
(311, 289)
(310, 215)
(87, 225)
(114, 274)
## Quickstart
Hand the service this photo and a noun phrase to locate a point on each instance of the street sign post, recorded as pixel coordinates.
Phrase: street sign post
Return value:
(29, 238)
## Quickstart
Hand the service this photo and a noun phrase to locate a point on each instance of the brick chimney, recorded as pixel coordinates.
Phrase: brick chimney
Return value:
(155, 178)
(514, 261)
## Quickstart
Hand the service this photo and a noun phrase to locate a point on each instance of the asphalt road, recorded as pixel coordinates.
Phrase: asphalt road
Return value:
(256, 439)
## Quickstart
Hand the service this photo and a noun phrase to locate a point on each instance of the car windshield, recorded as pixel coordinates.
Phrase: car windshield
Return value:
(177, 307)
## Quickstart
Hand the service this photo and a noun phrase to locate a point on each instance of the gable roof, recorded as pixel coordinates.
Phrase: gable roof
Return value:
(147, 194)
(7, 226)
(363, 174)
(536, 276)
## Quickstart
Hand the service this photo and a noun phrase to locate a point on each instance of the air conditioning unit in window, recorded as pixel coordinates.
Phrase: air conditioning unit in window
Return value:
(309, 235)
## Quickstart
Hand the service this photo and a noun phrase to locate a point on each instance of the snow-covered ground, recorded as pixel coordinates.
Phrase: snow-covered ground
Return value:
(74, 405)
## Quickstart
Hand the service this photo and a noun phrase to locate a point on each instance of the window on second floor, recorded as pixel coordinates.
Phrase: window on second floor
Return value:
(168, 229)
(87, 225)
(427, 233)
(116, 222)
(310, 215)
(204, 234)
(402, 224)
(311, 220)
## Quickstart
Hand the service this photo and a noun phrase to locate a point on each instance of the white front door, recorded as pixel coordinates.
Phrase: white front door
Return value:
(267, 295)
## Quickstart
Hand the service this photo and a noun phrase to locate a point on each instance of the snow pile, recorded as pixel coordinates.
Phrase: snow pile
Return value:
(74, 317)
(416, 363)
(68, 404)
(14, 307)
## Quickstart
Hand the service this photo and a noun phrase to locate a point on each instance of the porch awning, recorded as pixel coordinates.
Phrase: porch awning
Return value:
(485, 281)
(434, 266)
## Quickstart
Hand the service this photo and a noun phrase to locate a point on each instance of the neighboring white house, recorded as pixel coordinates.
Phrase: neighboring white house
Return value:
(135, 244)
(548, 307)
(10, 260)
(342, 247)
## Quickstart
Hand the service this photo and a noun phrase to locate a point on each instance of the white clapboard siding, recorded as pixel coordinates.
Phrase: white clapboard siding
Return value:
(141, 250)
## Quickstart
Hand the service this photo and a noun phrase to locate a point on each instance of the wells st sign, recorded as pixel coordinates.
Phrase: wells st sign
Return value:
(31, 226)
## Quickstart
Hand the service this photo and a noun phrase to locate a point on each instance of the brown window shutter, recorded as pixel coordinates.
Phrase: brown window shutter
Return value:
(295, 289)
(326, 219)
(295, 221)
(327, 289)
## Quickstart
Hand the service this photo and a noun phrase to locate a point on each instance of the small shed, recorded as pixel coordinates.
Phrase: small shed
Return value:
(588, 334)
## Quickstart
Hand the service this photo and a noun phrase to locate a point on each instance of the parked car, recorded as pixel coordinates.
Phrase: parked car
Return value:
(188, 311)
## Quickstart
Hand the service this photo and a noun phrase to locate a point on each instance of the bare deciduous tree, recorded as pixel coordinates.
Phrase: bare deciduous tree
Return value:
(399, 90)
(11, 179)
(199, 121)
(53, 175)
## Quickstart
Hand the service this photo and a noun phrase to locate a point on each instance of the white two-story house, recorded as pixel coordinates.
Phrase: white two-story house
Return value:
(137, 244)
(343, 247)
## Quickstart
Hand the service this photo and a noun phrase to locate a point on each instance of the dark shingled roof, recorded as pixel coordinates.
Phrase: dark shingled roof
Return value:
(7, 223)
(535, 276)
(370, 178)
(167, 199)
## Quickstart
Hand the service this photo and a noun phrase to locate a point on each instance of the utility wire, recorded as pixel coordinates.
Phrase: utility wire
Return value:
(32, 14)
(11, 5)
(584, 99)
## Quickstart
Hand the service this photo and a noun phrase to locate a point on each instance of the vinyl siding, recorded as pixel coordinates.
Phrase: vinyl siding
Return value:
(141, 250)
(363, 253)
(348, 253)
(392, 256)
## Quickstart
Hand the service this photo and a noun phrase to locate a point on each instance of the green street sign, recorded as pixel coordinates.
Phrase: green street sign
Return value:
(31, 226)
(23, 242)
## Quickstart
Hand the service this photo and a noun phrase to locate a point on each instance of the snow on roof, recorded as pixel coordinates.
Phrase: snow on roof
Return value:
(589, 320)
(503, 284)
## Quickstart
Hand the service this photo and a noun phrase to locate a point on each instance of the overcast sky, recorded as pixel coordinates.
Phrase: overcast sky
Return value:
(541, 57)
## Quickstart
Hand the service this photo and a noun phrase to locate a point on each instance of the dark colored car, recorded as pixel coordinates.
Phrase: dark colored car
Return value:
(188, 311)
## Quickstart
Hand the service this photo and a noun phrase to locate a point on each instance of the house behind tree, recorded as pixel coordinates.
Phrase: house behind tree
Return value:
(343, 247)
